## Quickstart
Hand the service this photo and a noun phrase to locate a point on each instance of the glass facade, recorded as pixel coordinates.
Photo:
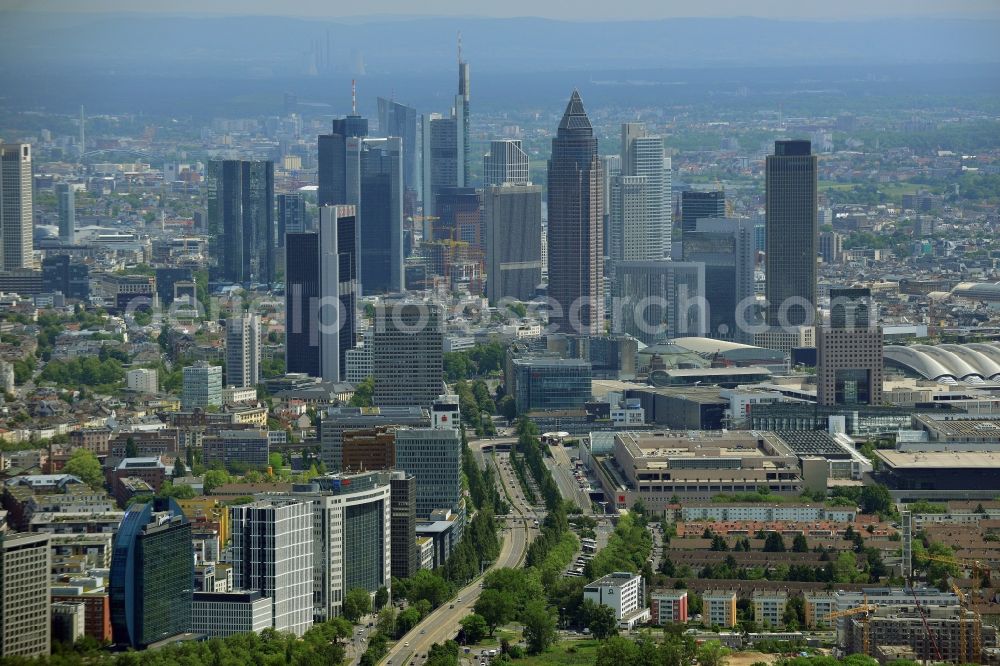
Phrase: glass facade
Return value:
(547, 384)
(364, 551)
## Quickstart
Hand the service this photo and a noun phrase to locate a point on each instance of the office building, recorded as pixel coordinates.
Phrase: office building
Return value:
(462, 117)
(358, 361)
(291, 216)
(272, 553)
(60, 273)
(575, 239)
(167, 279)
(725, 246)
(243, 350)
(221, 614)
(337, 420)
(66, 203)
(351, 537)
(395, 119)
(25, 565)
(403, 511)
(237, 449)
(544, 383)
(434, 457)
(622, 592)
(849, 351)
(506, 164)
(333, 180)
(370, 449)
(459, 216)
(408, 353)
(831, 247)
(792, 234)
(639, 208)
(378, 164)
(656, 300)
(242, 234)
(321, 294)
(719, 608)
(441, 158)
(669, 606)
(142, 380)
(152, 574)
(16, 217)
(701, 205)
(202, 386)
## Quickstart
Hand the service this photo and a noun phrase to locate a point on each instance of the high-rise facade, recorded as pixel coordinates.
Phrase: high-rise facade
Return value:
(25, 568)
(152, 574)
(726, 247)
(575, 243)
(513, 221)
(291, 216)
(241, 228)
(243, 350)
(440, 154)
(850, 351)
(408, 353)
(657, 300)
(16, 224)
(506, 164)
(272, 553)
(66, 202)
(405, 560)
(640, 211)
(792, 234)
(462, 118)
(202, 386)
(321, 294)
(332, 166)
(338, 420)
(379, 196)
(395, 119)
(697, 205)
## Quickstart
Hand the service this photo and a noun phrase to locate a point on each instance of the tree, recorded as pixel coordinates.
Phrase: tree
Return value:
(845, 567)
(357, 603)
(617, 651)
(876, 499)
(496, 607)
(84, 465)
(799, 544)
(179, 469)
(275, 461)
(213, 479)
(381, 598)
(363, 393)
(475, 628)
(711, 653)
(600, 619)
(539, 627)
(774, 543)
(507, 407)
(131, 450)
(425, 585)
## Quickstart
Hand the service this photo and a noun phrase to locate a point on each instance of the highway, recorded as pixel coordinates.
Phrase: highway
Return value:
(562, 471)
(442, 624)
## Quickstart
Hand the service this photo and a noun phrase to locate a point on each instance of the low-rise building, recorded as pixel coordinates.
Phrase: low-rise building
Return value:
(621, 591)
(220, 614)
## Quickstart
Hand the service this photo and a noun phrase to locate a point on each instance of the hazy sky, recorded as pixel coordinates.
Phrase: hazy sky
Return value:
(567, 9)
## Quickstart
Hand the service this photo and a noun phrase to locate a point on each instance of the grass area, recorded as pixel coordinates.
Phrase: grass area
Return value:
(565, 653)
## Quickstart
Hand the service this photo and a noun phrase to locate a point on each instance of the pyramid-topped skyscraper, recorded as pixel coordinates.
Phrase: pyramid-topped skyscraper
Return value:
(575, 240)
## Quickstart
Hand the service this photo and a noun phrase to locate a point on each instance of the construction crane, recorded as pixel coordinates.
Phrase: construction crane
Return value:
(865, 610)
(977, 626)
(980, 570)
(927, 628)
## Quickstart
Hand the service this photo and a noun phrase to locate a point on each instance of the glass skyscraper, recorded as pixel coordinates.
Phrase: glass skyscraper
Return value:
(242, 233)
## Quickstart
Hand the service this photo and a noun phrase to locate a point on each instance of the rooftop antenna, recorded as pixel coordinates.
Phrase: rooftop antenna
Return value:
(354, 98)
(459, 47)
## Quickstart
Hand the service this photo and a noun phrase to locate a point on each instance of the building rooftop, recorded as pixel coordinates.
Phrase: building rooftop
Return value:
(939, 460)
(615, 579)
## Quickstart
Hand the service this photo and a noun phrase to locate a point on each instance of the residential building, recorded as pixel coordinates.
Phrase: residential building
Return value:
(202, 386)
(769, 607)
(719, 608)
(407, 353)
(818, 607)
(25, 566)
(669, 606)
(242, 233)
(575, 216)
(794, 513)
(142, 380)
(152, 573)
(221, 614)
(16, 216)
(792, 234)
(243, 350)
(697, 205)
(272, 553)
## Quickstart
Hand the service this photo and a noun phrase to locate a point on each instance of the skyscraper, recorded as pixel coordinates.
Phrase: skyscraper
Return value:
(641, 217)
(332, 168)
(25, 566)
(408, 357)
(405, 559)
(272, 553)
(152, 574)
(379, 196)
(242, 234)
(243, 351)
(434, 457)
(699, 205)
(202, 386)
(291, 216)
(792, 234)
(505, 164)
(66, 199)
(850, 351)
(726, 247)
(15, 206)
(395, 119)
(575, 206)
(513, 220)
(441, 158)
(462, 117)
(321, 294)
(656, 300)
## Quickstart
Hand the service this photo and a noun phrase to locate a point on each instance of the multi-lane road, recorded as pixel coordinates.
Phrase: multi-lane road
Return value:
(443, 624)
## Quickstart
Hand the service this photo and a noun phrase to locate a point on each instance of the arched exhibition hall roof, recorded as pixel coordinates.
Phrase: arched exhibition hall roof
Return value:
(973, 363)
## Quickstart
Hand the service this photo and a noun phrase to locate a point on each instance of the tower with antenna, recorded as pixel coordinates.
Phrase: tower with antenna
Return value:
(83, 131)
(462, 117)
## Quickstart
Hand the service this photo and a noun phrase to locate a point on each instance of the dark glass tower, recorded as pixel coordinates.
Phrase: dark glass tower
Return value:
(700, 205)
(463, 120)
(332, 178)
(792, 234)
(301, 296)
(381, 211)
(291, 216)
(395, 119)
(242, 234)
(576, 210)
(152, 574)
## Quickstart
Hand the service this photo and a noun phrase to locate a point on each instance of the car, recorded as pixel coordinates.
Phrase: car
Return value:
(406, 645)
(451, 606)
